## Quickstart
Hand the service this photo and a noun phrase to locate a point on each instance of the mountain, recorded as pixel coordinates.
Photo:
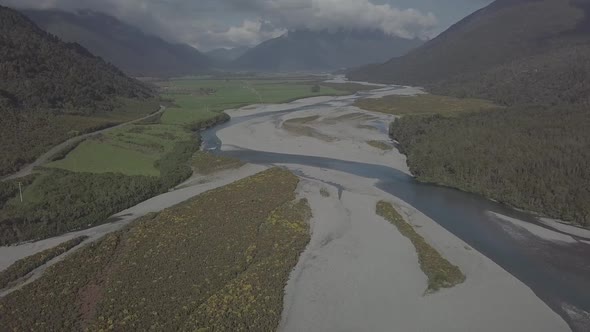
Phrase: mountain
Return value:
(512, 51)
(127, 47)
(306, 50)
(51, 89)
(227, 54)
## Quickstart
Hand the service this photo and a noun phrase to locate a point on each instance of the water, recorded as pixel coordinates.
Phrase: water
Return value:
(558, 272)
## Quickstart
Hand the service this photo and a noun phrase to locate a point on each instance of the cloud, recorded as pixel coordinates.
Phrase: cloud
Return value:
(216, 23)
(250, 33)
(338, 14)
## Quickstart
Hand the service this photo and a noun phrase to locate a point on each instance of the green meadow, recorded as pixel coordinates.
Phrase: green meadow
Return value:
(199, 99)
(132, 150)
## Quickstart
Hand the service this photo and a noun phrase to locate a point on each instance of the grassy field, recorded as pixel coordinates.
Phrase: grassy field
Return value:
(198, 99)
(173, 270)
(424, 104)
(132, 150)
(440, 273)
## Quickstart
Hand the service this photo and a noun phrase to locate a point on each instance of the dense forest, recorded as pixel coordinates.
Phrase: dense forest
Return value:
(534, 158)
(534, 58)
(51, 90)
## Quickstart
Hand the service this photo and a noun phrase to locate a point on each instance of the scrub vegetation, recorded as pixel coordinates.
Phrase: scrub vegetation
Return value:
(170, 270)
(440, 273)
(26, 265)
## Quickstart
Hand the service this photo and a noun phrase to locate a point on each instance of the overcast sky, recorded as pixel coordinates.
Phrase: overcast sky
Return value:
(208, 24)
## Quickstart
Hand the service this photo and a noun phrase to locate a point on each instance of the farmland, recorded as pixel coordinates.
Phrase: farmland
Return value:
(170, 271)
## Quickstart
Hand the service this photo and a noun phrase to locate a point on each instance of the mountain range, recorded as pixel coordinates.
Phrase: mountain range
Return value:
(306, 50)
(512, 51)
(127, 47)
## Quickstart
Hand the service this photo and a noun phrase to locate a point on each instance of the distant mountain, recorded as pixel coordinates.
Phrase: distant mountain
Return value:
(227, 54)
(127, 47)
(311, 51)
(49, 90)
(512, 51)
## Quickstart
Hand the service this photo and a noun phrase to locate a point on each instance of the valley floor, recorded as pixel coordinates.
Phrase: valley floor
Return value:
(358, 272)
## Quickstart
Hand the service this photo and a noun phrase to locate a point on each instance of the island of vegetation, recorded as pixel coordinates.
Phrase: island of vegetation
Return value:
(440, 273)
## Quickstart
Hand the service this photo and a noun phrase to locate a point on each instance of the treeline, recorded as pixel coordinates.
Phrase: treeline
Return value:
(67, 201)
(531, 157)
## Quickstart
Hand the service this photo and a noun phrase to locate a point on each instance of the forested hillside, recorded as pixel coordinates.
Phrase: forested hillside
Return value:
(51, 90)
(510, 52)
(532, 56)
(127, 47)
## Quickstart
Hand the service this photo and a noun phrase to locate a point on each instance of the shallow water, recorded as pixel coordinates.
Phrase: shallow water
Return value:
(558, 272)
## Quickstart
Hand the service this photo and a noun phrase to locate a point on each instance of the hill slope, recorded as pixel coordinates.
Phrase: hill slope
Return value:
(125, 46)
(520, 49)
(50, 90)
(310, 50)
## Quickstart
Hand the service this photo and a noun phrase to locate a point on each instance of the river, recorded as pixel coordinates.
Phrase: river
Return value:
(556, 267)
